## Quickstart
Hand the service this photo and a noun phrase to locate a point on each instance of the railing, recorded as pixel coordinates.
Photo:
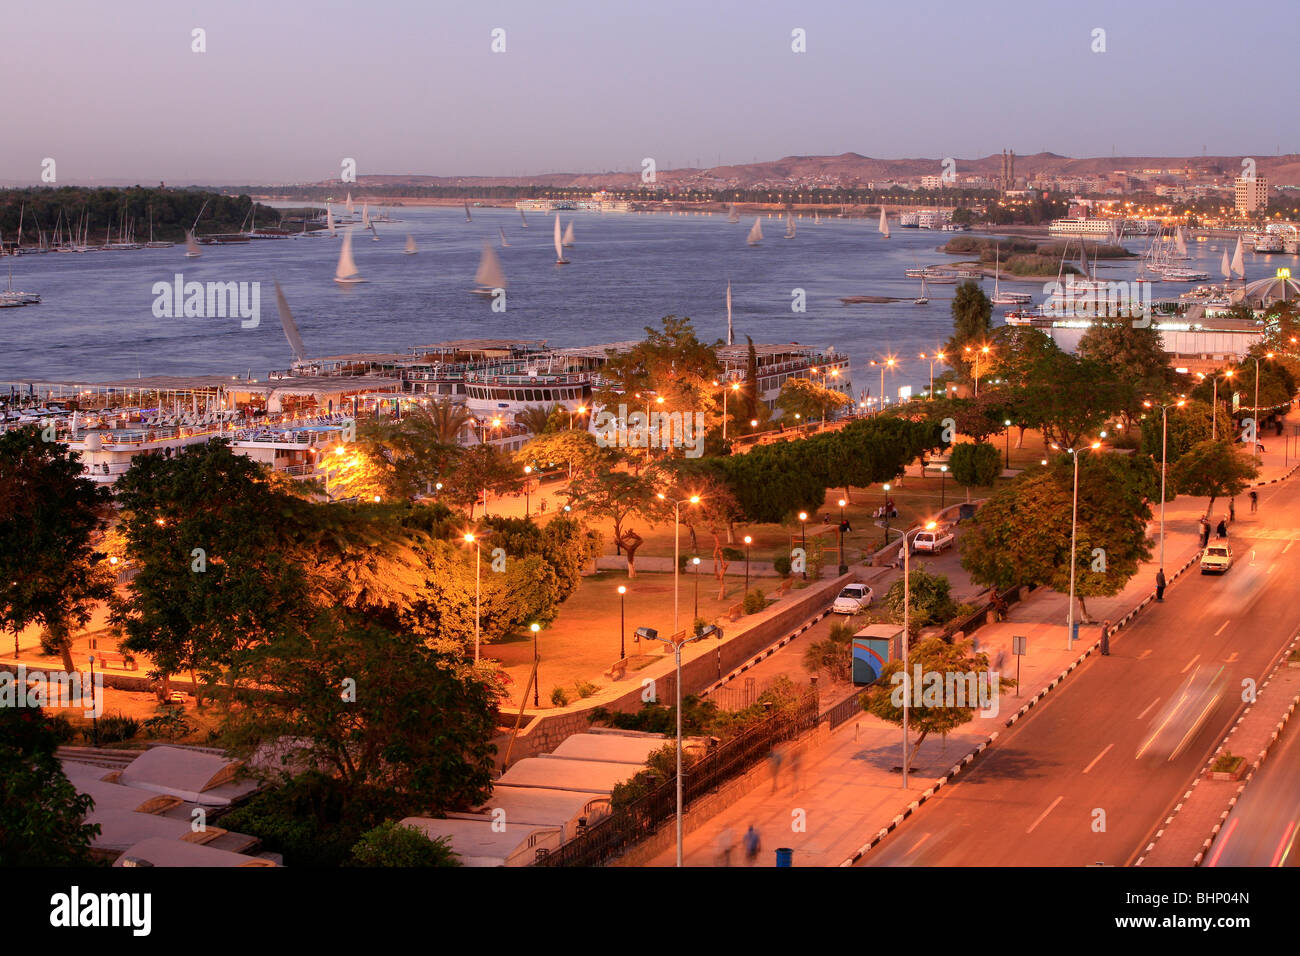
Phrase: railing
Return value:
(846, 709)
(637, 821)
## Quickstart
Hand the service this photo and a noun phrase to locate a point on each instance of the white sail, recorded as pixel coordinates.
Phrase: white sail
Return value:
(410, 249)
(504, 243)
(490, 274)
(373, 234)
(1239, 261)
(884, 223)
(789, 226)
(559, 244)
(755, 232)
(365, 216)
(730, 336)
(290, 327)
(347, 267)
(348, 203)
(733, 215)
(817, 218)
(1180, 243)
(1226, 266)
(524, 218)
(191, 245)
(329, 220)
(468, 217)
(568, 234)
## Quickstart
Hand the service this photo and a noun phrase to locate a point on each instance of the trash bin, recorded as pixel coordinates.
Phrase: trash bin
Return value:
(784, 856)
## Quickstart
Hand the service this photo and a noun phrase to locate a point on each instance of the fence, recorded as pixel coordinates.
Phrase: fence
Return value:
(845, 710)
(738, 698)
(635, 822)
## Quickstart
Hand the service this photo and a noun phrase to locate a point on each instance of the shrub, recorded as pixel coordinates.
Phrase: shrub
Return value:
(49, 645)
(170, 725)
(60, 727)
(841, 633)
(733, 554)
(754, 601)
(584, 688)
(115, 727)
(1225, 763)
(781, 564)
(816, 559)
(559, 698)
(699, 625)
(391, 844)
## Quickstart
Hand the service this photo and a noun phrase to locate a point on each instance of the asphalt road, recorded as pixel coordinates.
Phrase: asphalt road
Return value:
(1065, 786)
(1262, 828)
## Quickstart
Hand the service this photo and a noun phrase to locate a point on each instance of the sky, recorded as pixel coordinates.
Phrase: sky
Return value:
(286, 89)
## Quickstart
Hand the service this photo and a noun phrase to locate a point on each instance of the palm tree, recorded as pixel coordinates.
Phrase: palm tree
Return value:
(537, 418)
(443, 420)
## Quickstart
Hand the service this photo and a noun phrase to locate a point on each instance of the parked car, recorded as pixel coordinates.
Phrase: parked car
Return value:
(933, 541)
(854, 598)
(1216, 558)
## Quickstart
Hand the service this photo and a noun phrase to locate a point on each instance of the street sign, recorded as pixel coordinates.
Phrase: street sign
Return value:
(1019, 645)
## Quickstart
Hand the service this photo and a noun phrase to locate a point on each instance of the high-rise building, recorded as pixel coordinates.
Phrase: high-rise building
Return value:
(1251, 194)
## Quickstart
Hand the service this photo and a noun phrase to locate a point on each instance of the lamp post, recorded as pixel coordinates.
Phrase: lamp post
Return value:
(537, 660)
(582, 410)
(478, 591)
(696, 562)
(677, 644)
(886, 363)
(1164, 438)
(1074, 525)
(943, 481)
(885, 509)
(1214, 408)
(528, 470)
(748, 542)
(1254, 445)
(982, 350)
(844, 568)
(932, 356)
(1007, 423)
(734, 387)
(677, 535)
(622, 624)
(803, 539)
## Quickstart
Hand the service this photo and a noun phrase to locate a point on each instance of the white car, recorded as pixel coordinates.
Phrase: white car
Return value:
(1216, 558)
(854, 598)
(933, 541)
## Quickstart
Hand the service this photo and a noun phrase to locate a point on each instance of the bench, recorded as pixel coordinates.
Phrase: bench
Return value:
(785, 587)
(618, 671)
(104, 658)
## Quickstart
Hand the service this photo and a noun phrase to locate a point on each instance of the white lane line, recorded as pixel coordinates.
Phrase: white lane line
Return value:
(1148, 708)
(1046, 812)
(1190, 663)
(1098, 757)
(1144, 655)
(1288, 546)
(924, 837)
(1221, 627)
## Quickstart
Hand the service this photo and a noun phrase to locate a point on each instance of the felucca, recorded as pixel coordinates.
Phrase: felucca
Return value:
(755, 232)
(559, 246)
(884, 223)
(346, 273)
(490, 276)
(410, 249)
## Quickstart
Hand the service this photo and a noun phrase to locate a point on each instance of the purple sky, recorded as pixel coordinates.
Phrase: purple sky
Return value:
(289, 88)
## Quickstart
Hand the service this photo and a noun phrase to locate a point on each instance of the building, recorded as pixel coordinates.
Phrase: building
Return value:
(1251, 194)
(1081, 227)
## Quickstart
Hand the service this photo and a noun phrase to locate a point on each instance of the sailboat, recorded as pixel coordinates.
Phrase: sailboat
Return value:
(1239, 261)
(1180, 244)
(410, 249)
(884, 223)
(733, 214)
(755, 232)
(490, 275)
(568, 234)
(373, 234)
(817, 219)
(505, 244)
(1005, 298)
(346, 273)
(365, 216)
(730, 336)
(789, 225)
(1226, 267)
(468, 217)
(329, 221)
(290, 327)
(348, 204)
(192, 250)
(151, 244)
(524, 218)
(559, 245)
(922, 299)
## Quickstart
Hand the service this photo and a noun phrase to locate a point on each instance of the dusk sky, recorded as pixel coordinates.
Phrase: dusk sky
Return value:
(286, 89)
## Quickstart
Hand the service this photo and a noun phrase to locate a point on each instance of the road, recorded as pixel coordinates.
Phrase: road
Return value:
(1262, 828)
(1065, 786)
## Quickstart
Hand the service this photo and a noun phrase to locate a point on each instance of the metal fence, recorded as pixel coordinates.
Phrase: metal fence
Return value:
(637, 821)
(843, 711)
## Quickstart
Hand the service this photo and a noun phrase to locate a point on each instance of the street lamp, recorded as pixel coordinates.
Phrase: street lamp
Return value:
(982, 350)
(528, 470)
(622, 624)
(1007, 423)
(696, 562)
(734, 387)
(478, 591)
(1214, 406)
(1254, 445)
(803, 541)
(934, 355)
(582, 410)
(885, 510)
(1164, 437)
(844, 568)
(886, 363)
(1074, 524)
(748, 542)
(537, 660)
(677, 535)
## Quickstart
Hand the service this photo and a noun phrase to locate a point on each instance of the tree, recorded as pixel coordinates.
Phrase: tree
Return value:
(50, 518)
(392, 844)
(972, 314)
(932, 713)
(41, 812)
(538, 419)
(617, 496)
(482, 468)
(809, 400)
(975, 465)
(577, 450)
(447, 421)
(1187, 426)
(717, 511)
(930, 601)
(1212, 469)
(391, 458)
(1133, 354)
(1021, 536)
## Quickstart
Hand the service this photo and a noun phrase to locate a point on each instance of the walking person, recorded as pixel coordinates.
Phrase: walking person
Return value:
(1232, 510)
(1254, 501)
(752, 845)
(1160, 585)
(794, 771)
(1205, 531)
(1223, 527)
(724, 844)
(774, 761)
(1105, 639)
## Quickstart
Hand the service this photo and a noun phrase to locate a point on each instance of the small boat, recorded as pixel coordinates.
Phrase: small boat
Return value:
(151, 244)
(733, 215)
(347, 203)
(755, 232)
(817, 219)
(468, 217)
(505, 244)
(410, 249)
(192, 250)
(365, 216)
(329, 221)
(559, 245)
(1005, 298)
(1226, 266)
(921, 299)
(884, 223)
(490, 276)
(524, 218)
(346, 273)
(373, 234)
(789, 226)
(568, 234)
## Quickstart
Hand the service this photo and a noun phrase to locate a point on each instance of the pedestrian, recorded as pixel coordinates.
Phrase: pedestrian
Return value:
(752, 845)
(1105, 639)
(1254, 501)
(794, 770)
(1160, 585)
(1232, 510)
(1205, 531)
(724, 843)
(1223, 527)
(774, 760)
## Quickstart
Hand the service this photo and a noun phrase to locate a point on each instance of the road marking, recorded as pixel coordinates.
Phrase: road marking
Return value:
(1221, 627)
(1223, 843)
(1190, 663)
(924, 837)
(1284, 847)
(1144, 655)
(1148, 710)
(1045, 813)
(1098, 757)
(1288, 546)
(1232, 659)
